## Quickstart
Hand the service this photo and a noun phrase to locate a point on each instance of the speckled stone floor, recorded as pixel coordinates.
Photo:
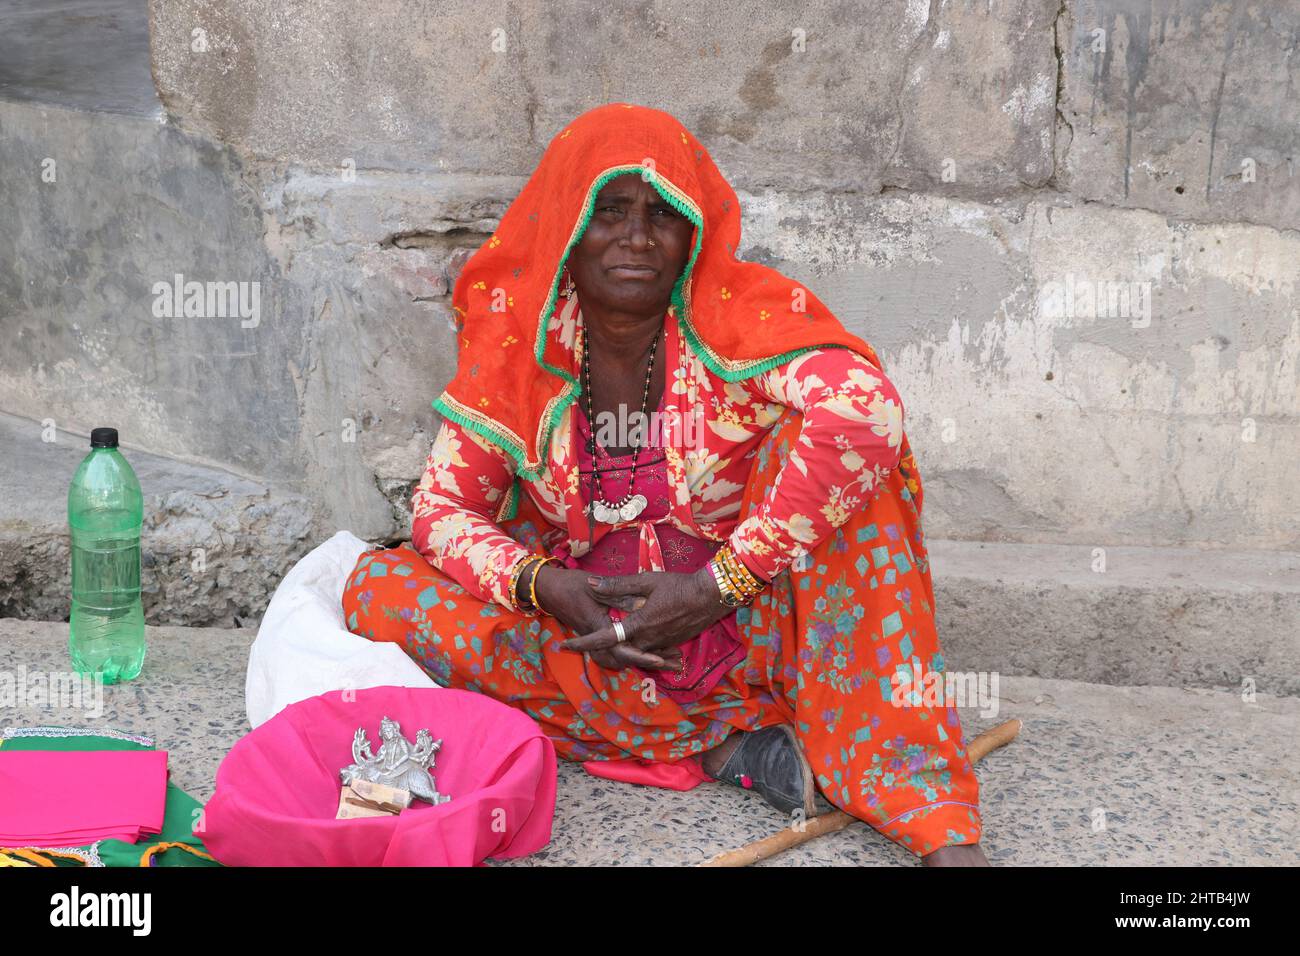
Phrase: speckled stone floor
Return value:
(1100, 775)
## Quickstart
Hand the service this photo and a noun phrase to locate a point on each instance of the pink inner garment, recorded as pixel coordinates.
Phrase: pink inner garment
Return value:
(707, 657)
(718, 647)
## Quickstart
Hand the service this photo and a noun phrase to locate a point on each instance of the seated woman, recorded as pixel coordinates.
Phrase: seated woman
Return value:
(741, 588)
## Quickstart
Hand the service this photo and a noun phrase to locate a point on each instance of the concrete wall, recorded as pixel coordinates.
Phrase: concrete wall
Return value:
(950, 177)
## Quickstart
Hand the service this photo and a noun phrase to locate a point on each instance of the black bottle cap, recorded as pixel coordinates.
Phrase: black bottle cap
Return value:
(103, 438)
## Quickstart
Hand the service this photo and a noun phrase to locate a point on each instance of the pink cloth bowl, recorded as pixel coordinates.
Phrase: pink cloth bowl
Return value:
(278, 788)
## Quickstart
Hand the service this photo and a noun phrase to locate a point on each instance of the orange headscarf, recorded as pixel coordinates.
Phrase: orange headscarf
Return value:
(739, 317)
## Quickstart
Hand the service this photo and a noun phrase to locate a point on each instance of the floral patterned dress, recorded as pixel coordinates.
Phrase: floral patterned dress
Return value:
(806, 471)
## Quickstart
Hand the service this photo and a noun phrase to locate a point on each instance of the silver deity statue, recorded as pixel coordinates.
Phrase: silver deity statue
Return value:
(399, 763)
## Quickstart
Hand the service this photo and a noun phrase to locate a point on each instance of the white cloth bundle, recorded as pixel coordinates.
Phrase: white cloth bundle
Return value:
(303, 648)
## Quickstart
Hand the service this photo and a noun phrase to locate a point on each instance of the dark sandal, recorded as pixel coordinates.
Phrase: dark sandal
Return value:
(771, 762)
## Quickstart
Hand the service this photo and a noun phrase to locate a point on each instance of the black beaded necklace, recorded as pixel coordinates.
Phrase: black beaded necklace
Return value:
(630, 505)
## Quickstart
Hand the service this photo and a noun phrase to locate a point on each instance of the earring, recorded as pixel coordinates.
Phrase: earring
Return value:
(567, 288)
(651, 242)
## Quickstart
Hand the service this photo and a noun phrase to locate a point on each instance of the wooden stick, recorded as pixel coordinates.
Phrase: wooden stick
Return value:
(751, 853)
(991, 740)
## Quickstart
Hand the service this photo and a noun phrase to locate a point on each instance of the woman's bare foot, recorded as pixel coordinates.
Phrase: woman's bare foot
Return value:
(968, 855)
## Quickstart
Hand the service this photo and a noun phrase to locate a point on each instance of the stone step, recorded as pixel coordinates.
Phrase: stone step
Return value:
(1100, 775)
(1163, 616)
(1166, 616)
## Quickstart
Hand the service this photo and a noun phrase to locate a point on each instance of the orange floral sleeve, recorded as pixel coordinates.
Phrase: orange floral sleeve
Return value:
(849, 441)
(454, 509)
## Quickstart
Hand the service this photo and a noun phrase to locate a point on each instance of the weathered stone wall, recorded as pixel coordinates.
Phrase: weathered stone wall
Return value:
(952, 178)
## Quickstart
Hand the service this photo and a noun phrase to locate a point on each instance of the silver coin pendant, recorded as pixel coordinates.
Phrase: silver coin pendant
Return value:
(633, 507)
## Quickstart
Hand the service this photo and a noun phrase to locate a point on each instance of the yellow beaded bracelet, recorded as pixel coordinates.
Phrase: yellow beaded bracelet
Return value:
(743, 579)
(736, 583)
(728, 594)
(724, 563)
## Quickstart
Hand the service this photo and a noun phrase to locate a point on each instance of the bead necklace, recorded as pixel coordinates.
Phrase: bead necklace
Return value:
(630, 505)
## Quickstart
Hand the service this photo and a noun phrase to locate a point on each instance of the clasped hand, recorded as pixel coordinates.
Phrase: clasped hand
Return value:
(661, 610)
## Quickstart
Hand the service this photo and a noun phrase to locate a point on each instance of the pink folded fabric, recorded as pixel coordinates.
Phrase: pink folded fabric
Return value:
(51, 798)
(278, 788)
(684, 775)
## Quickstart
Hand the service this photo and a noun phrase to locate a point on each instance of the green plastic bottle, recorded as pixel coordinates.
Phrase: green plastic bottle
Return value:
(105, 514)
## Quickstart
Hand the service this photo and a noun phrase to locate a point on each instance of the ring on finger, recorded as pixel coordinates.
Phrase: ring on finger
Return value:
(619, 631)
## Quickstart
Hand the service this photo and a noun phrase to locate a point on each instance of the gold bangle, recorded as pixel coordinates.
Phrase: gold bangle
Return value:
(514, 584)
(532, 583)
(535, 562)
(755, 582)
(743, 579)
(514, 579)
(747, 594)
(727, 592)
(721, 560)
(736, 585)
(727, 576)
(748, 590)
(724, 586)
(729, 565)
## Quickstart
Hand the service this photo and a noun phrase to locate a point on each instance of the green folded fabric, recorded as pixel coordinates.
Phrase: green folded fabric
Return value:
(180, 812)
